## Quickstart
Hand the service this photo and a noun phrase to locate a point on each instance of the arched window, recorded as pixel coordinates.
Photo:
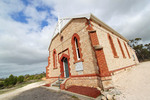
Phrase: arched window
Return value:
(76, 47)
(112, 46)
(127, 50)
(121, 48)
(54, 59)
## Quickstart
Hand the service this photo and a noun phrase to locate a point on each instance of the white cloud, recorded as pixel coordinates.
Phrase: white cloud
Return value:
(23, 44)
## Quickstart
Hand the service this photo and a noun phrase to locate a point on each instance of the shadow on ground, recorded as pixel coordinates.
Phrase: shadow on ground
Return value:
(41, 93)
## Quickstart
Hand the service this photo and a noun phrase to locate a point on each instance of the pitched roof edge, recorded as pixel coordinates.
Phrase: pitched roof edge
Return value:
(91, 16)
(107, 27)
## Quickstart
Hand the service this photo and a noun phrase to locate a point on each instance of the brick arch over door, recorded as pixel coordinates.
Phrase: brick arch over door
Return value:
(61, 64)
(75, 35)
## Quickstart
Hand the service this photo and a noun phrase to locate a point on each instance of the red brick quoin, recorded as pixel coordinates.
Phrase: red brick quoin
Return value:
(104, 72)
(47, 72)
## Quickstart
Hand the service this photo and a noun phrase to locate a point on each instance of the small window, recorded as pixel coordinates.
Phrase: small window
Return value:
(54, 59)
(61, 38)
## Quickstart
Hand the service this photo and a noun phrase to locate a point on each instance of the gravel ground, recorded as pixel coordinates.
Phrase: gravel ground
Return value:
(41, 93)
(134, 83)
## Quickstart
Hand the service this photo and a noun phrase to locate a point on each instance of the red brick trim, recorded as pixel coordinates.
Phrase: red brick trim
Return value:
(75, 35)
(121, 68)
(62, 86)
(54, 59)
(89, 25)
(61, 64)
(101, 61)
(121, 48)
(81, 60)
(112, 46)
(54, 77)
(85, 75)
(63, 51)
(127, 50)
(47, 72)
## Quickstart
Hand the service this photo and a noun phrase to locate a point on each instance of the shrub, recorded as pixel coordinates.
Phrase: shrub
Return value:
(27, 77)
(20, 79)
(1, 85)
(6, 82)
(12, 80)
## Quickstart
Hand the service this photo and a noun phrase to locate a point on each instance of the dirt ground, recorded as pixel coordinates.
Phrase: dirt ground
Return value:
(134, 83)
(41, 93)
(11, 94)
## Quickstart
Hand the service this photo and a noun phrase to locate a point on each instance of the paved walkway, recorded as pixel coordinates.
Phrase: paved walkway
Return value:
(41, 93)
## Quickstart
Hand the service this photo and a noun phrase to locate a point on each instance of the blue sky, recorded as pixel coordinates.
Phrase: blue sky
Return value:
(27, 26)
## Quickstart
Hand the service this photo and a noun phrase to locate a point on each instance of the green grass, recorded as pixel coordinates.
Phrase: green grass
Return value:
(75, 97)
(17, 86)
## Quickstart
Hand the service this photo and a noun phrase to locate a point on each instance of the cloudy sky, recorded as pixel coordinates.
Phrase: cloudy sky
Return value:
(26, 26)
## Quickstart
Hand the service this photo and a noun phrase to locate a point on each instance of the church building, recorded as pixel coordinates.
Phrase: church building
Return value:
(84, 51)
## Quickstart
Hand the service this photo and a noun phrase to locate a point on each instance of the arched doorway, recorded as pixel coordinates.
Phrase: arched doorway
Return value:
(64, 66)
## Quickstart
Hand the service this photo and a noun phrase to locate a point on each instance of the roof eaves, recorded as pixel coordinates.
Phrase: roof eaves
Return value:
(107, 27)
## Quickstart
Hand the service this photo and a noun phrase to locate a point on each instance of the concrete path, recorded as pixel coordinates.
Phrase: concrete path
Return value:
(11, 94)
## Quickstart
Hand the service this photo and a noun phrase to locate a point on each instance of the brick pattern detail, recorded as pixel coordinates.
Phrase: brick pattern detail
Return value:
(121, 48)
(61, 64)
(100, 56)
(112, 46)
(54, 59)
(47, 68)
(75, 35)
(127, 50)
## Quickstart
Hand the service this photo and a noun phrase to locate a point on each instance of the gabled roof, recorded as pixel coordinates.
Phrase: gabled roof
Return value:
(63, 22)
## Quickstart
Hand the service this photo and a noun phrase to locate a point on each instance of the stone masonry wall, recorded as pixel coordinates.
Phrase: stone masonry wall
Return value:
(84, 81)
(89, 64)
(114, 63)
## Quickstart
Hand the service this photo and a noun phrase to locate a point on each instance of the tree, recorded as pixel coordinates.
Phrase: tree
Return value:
(142, 51)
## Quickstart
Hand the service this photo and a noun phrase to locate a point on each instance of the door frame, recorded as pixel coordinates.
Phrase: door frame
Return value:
(65, 67)
(61, 64)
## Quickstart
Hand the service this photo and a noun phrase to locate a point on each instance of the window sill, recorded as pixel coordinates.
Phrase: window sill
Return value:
(81, 60)
(55, 68)
(116, 56)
